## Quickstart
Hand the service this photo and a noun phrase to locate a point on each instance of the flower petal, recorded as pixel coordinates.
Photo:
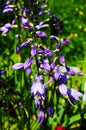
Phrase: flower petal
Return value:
(63, 89)
(18, 66)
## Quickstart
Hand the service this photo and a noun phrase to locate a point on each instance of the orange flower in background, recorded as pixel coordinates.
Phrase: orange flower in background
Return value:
(60, 128)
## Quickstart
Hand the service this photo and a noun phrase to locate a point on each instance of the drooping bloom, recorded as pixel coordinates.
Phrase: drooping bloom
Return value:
(33, 50)
(18, 66)
(41, 117)
(50, 111)
(74, 95)
(8, 9)
(5, 29)
(38, 88)
(45, 65)
(41, 34)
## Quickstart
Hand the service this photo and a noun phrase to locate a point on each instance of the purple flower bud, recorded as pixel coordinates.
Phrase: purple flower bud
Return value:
(8, 2)
(33, 51)
(27, 11)
(2, 72)
(41, 34)
(38, 104)
(58, 46)
(50, 111)
(41, 117)
(52, 37)
(53, 64)
(43, 6)
(6, 28)
(62, 59)
(64, 41)
(25, 22)
(18, 66)
(17, 36)
(80, 74)
(63, 89)
(57, 73)
(24, 44)
(44, 12)
(14, 21)
(17, 49)
(70, 71)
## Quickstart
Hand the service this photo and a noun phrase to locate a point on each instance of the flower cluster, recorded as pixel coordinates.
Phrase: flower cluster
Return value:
(43, 61)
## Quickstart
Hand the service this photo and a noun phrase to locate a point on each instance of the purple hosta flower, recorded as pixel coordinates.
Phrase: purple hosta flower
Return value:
(38, 103)
(70, 71)
(52, 66)
(62, 59)
(41, 117)
(28, 63)
(8, 2)
(64, 41)
(25, 22)
(58, 46)
(5, 29)
(8, 9)
(2, 72)
(44, 22)
(80, 74)
(48, 52)
(41, 26)
(50, 111)
(18, 66)
(43, 6)
(62, 79)
(24, 44)
(38, 88)
(41, 34)
(17, 36)
(63, 89)
(26, 66)
(33, 50)
(74, 95)
(44, 12)
(52, 37)
(27, 11)
(14, 21)
(45, 65)
(57, 73)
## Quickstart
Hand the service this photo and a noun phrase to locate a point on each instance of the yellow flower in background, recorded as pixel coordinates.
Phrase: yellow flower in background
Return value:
(76, 9)
(84, 29)
(70, 36)
(75, 35)
(80, 26)
(81, 12)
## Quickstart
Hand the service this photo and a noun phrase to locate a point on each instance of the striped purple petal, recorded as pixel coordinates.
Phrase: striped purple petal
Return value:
(63, 89)
(18, 66)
